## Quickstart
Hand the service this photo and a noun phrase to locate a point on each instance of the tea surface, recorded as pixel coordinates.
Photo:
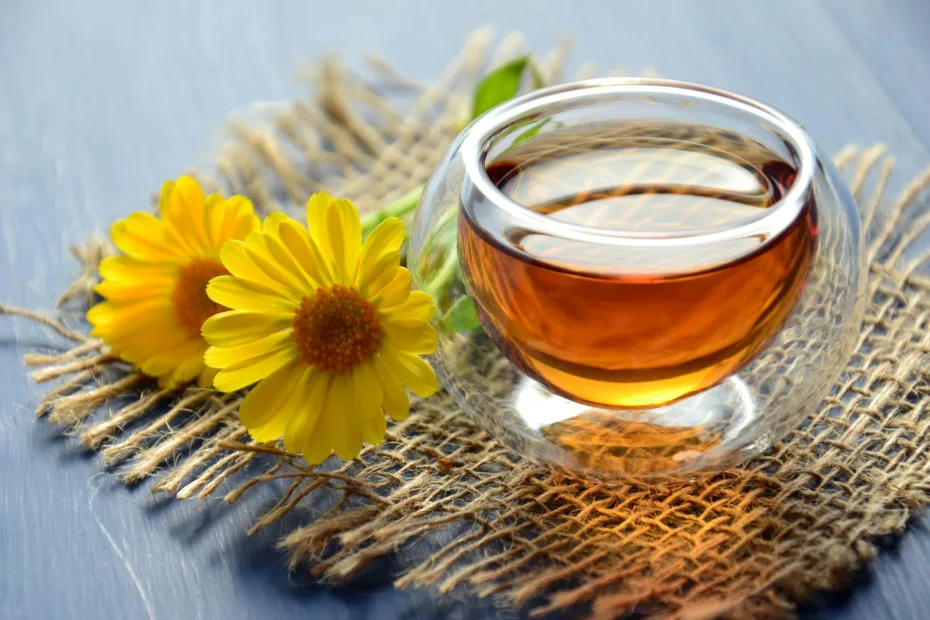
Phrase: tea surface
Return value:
(631, 327)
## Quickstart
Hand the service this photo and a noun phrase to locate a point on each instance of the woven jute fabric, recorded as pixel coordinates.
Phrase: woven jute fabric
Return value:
(749, 542)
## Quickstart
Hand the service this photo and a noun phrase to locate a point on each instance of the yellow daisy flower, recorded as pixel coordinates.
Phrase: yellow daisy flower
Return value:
(156, 300)
(327, 325)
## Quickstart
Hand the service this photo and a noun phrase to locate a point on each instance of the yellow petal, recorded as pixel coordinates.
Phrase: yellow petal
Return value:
(272, 222)
(188, 370)
(186, 216)
(381, 274)
(341, 419)
(413, 372)
(306, 434)
(188, 358)
(238, 260)
(396, 291)
(143, 322)
(367, 392)
(266, 400)
(229, 219)
(137, 345)
(128, 270)
(245, 220)
(247, 372)
(172, 206)
(410, 336)
(286, 262)
(345, 239)
(222, 357)
(162, 366)
(418, 306)
(167, 381)
(317, 209)
(109, 314)
(141, 291)
(236, 327)
(216, 212)
(386, 238)
(238, 294)
(294, 408)
(256, 246)
(394, 399)
(303, 248)
(206, 376)
(173, 214)
(143, 237)
(166, 190)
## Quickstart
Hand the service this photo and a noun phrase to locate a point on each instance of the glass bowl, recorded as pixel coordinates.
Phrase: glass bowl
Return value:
(668, 277)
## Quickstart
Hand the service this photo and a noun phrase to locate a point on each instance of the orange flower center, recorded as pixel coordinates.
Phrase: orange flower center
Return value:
(335, 329)
(189, 297)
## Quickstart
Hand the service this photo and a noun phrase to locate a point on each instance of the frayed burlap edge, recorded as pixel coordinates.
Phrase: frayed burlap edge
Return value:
(746, 543)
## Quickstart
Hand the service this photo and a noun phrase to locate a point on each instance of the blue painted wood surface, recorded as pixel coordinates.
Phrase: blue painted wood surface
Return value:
(102, 100)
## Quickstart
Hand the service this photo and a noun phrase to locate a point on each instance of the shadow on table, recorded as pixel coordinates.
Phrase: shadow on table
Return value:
(258, 559)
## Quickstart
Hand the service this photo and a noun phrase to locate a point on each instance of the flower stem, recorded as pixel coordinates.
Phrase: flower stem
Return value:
(442, 279)
(399, 208)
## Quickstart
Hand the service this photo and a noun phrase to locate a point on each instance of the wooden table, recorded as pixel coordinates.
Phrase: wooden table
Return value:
(101, 101)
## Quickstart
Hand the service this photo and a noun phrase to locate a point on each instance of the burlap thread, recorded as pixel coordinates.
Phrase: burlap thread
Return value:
(748, 542)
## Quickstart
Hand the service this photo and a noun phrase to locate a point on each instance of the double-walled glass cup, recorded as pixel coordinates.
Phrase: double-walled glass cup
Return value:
(667, 276)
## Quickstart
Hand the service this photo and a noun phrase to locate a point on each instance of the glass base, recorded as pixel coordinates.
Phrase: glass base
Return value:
(707, 430)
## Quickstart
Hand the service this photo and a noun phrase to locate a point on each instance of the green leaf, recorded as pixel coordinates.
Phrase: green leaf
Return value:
(461, 317)
(498, 86)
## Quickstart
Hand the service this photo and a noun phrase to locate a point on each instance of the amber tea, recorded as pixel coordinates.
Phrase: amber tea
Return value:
(619, 322)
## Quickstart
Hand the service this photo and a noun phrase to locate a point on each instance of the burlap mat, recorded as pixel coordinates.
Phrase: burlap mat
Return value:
(744, 543)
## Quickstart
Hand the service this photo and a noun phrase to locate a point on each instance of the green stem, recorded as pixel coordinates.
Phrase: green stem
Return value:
(439, 241)
(443, 277)
(399, 208)
(445, 218)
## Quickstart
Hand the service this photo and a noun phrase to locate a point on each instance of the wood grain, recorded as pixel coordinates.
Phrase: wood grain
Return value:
(102, 100)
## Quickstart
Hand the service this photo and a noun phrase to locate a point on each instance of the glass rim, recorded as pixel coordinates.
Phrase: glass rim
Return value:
(769, 224)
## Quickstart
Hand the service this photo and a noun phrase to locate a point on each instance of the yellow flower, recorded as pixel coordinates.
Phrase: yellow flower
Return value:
(156, 300)
(329, 327)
